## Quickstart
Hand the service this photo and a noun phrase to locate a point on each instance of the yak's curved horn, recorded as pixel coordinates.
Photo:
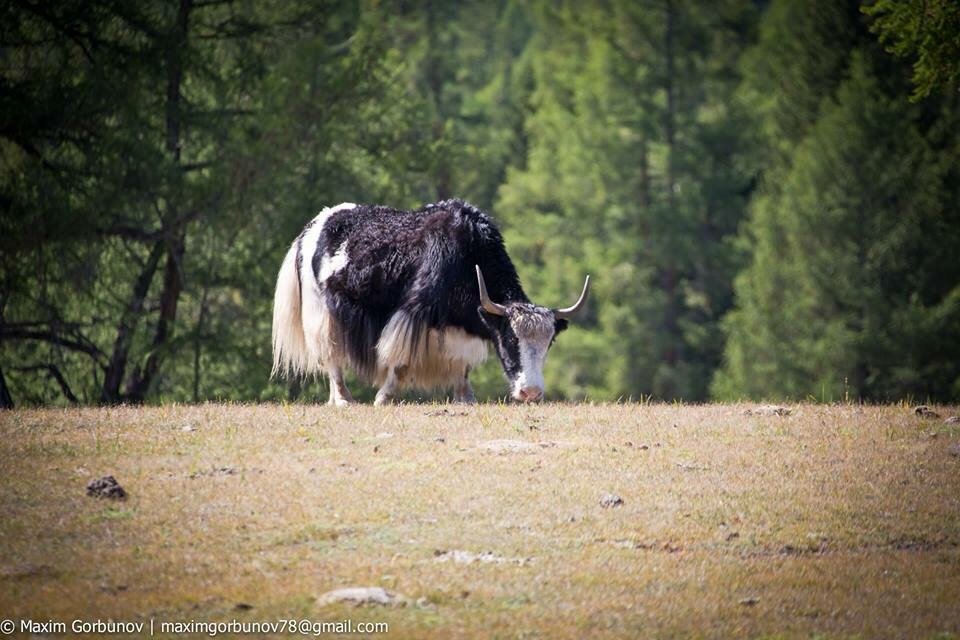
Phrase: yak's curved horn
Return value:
(569, 311)
(488, 305)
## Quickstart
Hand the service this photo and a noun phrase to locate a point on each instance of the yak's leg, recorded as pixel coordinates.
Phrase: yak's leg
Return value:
(462, 391)
(339, 394)
(390, 386)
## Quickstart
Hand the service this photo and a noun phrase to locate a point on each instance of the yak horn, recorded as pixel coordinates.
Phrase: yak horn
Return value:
(488, 305)
(569, 311)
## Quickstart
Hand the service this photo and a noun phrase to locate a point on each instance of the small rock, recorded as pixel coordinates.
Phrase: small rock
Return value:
(384, 435)
(440, 439)
(952, 420)
(926, 412)
(242, 606)
(106, 487)
(360, 596)
(611, 500)
(749, 602)
(188, 428)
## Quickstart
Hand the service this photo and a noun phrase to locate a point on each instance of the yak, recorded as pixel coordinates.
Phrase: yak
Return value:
(408, 299)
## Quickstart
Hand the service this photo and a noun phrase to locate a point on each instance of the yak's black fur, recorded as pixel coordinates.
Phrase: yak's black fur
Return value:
(421, 262)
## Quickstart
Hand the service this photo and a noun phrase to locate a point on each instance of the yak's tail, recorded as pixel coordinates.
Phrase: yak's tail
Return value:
(289, 345)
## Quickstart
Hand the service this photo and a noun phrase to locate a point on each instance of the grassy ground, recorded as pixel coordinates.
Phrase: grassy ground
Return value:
(833, 521)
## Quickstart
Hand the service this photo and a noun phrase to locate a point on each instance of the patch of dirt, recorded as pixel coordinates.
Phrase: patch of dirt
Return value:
(113, 589)
(445, 412)
(106, 487)
(458, 556)
(813, 550)
(214, 471)
(666, 547)
(27, 570)
(361, 596)
(691, 467)
(514, 446)
(908, 543)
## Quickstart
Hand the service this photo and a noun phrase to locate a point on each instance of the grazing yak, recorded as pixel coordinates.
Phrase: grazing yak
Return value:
(408, 299)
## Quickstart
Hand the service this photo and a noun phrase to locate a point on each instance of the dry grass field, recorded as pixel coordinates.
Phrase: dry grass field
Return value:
(833, 521)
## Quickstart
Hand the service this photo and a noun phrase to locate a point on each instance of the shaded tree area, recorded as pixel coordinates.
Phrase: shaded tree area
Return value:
(765, 195)
(852, 290)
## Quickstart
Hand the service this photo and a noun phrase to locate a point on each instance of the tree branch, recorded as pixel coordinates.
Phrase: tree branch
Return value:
(9, 332)
(56, 375)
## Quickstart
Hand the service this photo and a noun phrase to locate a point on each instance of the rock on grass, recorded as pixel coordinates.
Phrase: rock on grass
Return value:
(767, 410)
(610, 501)
(926, 412)
(361, 596)
(106, 487)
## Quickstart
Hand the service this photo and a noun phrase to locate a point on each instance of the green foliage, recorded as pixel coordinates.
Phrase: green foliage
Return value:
(926, 32)
(634, 172)
(763, 210)
(852, 287)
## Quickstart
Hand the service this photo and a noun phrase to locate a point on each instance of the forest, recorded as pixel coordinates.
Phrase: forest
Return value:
(766, 194)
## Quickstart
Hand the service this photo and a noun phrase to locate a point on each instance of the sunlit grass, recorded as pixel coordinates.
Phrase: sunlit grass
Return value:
(837, 521)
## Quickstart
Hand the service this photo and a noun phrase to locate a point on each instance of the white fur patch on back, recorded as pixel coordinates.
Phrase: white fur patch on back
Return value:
(318, 325)
(329, 265)
(438, 358)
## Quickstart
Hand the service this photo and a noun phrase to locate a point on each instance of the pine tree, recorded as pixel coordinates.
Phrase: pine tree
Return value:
(845, 286)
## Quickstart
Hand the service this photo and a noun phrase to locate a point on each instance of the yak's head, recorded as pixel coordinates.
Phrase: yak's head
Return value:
(522, 334)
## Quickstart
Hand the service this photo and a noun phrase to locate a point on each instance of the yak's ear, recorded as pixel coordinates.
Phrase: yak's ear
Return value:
(488, 319)
(560, 324)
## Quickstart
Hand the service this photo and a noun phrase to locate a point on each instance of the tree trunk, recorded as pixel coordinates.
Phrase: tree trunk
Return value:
(668, 279)
(6, 400)
(197, 344)
(113, 376)
(173, 272)
(442, 175)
